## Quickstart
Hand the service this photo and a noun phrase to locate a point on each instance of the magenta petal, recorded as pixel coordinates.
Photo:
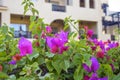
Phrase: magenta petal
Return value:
(56, 44)
(112, 66)
(12, 62)
(63, 48)
(95, 65)
(48, 29)
(48, 41)
(90, 33)
(63, 36)
(94, 77)
(86, 77)
(25, 46)
(86, 67)
(105, 78)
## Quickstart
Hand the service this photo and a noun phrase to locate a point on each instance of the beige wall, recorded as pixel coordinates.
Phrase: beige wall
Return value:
(45, 9)
(20, 19)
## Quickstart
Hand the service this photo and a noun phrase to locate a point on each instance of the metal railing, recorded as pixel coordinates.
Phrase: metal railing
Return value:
(59, 8)
(26, 34)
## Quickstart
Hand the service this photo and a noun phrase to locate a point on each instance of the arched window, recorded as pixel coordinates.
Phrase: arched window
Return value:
(82, 3)
(58, 25)
(92, 3)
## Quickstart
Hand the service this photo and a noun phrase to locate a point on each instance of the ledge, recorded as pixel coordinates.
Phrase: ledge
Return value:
(3, 8)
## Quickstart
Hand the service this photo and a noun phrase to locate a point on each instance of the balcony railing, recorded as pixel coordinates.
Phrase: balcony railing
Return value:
(26, 34)
(59, 8)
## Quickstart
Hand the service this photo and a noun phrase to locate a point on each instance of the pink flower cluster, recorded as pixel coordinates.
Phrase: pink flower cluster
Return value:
(57, 43)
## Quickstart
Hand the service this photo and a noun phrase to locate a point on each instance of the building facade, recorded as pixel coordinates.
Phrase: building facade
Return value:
(89, 12)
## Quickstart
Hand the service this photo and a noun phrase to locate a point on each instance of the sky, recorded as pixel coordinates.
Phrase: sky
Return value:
(114, 5)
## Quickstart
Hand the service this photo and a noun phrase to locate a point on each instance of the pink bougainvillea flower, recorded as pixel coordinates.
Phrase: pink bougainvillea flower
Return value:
(95, 77)
(48, 29)
(63, 36)
(102, 46)
(94, 66)
(57, 43)
(90, 33)
(43, 34)
(93, 48)
(100, 54)
(13, 62)
(16, 57)
(109, 41)
(86, 28)
(37, 44)
(25, 46)
(96, 42)
(112, 45)
(1, 68)
(86, 77)
(112, 66)
(36, 36)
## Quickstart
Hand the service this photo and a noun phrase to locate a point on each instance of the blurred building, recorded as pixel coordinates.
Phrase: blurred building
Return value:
(89, 12)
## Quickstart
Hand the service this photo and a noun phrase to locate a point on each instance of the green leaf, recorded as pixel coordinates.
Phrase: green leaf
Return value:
(22, 73)
(31, 26)
(66, 65)
(49, 65)
(77, 59)
(33, 55)
(26, 7)
(78, 74)
(23, 78)
(12, 77)
(57, 65)
(87, 59)
(3, 75)
(35, 66)
(117, 77)
(50, 55)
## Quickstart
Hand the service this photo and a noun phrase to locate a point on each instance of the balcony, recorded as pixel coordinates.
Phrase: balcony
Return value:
(58, 8)
(2, 7)
(26, 34)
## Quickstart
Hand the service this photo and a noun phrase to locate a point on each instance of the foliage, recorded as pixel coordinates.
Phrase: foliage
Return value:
(81, 59)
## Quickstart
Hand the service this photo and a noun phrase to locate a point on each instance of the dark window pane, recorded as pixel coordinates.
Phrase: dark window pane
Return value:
(82, 3)
(92, 4)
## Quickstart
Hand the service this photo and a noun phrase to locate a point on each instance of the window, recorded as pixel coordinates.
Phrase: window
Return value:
(20, 24)
(91, 3)
(53, 1)
(18, 27)
(69, 2)
(82, 3)
(19, 30)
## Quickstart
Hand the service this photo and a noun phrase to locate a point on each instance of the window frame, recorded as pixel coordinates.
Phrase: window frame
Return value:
(92, 4)
(82, 3)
